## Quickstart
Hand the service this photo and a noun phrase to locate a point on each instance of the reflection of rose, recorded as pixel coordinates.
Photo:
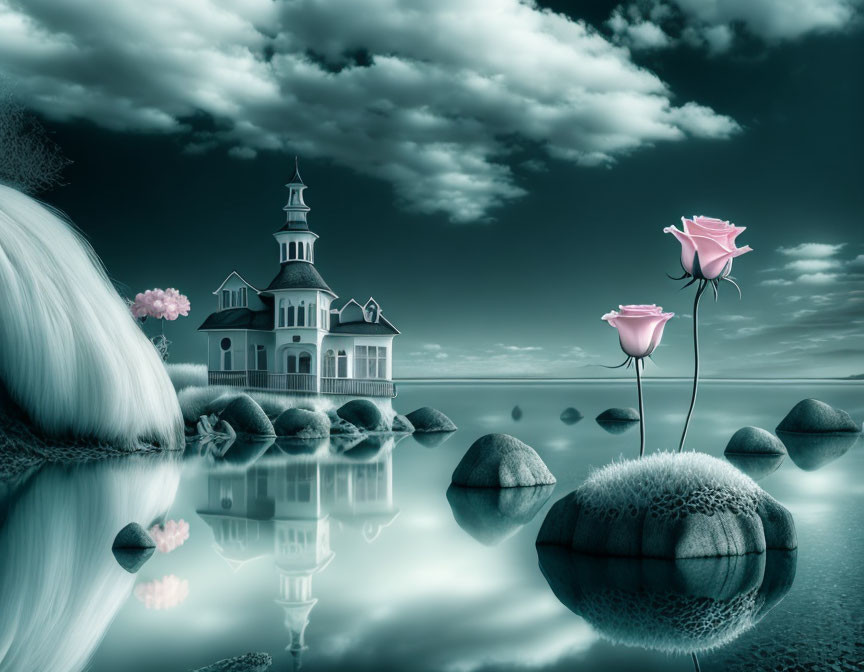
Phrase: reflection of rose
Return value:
(708, 246)
(170, 536)
(164, 593)
(640, 327)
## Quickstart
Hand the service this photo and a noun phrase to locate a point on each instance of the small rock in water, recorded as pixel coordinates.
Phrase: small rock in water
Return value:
(669, 505)
(428, 419)
(618, 420)
(132, 547)
(570, 416)
(301, 424)
(516, 413)
(247, 417)
(363, 414)
(501, 461)
(248, 662)
(401, 425)
(811, 416)
(754, 441)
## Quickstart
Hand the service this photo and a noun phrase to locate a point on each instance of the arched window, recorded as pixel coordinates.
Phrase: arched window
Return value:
(292, 250)
(291, 315)
(301, 314)
(225, 346)
(342, 364)
(329, 364)
(281, 312)
(305, 363)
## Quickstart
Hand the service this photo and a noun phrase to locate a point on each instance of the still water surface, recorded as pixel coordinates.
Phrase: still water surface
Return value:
(355, 560)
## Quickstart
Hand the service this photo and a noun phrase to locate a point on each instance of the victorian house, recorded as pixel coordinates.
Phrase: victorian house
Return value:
(295, 334)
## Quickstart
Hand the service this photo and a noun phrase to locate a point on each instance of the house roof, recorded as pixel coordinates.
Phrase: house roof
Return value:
(382, 327)
(239, 318)
(298, 275)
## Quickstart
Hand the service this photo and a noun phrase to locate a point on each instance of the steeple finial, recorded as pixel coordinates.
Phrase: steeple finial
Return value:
(296, 208)
(295, 178)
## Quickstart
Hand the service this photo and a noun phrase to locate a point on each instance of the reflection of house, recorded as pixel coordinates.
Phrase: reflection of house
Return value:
(282, 507)
(295, 335)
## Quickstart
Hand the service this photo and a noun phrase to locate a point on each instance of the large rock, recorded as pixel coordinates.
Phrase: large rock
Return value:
(248, 662)
(570, 416)
(491, 515)
(401, 425)
(811, 416)
(302, 424)
(682, 606)
(755, 451)
(669, 505)
(428, 419)
(501, 461)
(247, 417)
(364, 414)
(618, 420)
(132, 547)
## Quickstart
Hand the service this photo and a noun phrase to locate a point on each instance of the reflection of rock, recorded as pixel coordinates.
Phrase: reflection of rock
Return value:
(247, 417)
(132, 547)
(241, 452)
(301, 424)
(570, 416)
(367, 449)
(677, 606)
(669, 505)
(813, 451)
(428, 419)
(755, 451)
(491, 515)
(292, 446)
(248, 662)
(516, 413)
(618, 420)
(813, 416)
(501, 461)
(401, 425)
(363, 414)
(431, 439)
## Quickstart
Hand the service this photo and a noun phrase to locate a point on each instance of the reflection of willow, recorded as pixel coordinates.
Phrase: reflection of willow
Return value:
(60, 586)
(282, 505)
(676, 606)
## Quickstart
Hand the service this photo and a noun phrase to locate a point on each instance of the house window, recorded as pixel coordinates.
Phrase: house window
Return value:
(302, 251)
(382, 362)
(243, 297)
(292, 250)
(225, 345)
(329, 364)
(226, 299)
(309, 251)
(342, 364)
(313, 313)
(291, 363)
(283, 252)
(301, 314)
(361, 357)
(260, 358)
(281, 312)
(305, 363)
(291, 314)
(370, 361)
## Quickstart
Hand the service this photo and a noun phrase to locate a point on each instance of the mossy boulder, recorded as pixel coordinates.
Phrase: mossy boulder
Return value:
(247, 418)
(401, 425)
(755, 451)
(811, 416)
(363, 414)
(428, 419)
(570, 416)
(669, 505)
(302, 424)
(501, 461)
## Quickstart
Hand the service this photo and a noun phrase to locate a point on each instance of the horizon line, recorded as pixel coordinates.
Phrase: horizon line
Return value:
(667, 379)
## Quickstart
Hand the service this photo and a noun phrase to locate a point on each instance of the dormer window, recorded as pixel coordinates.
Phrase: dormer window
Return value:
(371, 312)
(234, 298)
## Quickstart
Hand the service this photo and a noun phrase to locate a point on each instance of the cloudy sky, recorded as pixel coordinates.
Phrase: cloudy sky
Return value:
(496, 173)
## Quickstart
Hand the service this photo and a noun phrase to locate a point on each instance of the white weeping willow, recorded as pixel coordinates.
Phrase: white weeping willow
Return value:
(60, 586)
(71, 355)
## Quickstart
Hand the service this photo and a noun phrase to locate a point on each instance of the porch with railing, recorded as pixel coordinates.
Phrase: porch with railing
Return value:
(303, 383)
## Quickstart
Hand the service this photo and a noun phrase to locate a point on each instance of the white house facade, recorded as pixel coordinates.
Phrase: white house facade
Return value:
(296, 335)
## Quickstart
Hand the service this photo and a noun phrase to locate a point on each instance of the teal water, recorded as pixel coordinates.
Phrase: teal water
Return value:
(355, 560)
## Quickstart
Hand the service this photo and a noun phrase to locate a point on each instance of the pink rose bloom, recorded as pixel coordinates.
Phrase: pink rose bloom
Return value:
(170, 536)
(164, 593)
(158, 303)
(640, 327)
(713, 240)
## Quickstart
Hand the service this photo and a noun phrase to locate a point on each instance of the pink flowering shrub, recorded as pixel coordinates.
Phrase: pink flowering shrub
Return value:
(170, 536)
(168, 304)
(164, 593)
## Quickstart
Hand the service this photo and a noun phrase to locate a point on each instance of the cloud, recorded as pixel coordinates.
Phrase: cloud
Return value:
(433, 98)
(812, 265)
(635, 32)
(818, 278)
(812, 250)
(777, 282)
(520, 348)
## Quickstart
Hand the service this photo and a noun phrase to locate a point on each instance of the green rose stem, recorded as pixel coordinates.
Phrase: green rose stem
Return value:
(695, 662)
(701, 288)
(641, 407)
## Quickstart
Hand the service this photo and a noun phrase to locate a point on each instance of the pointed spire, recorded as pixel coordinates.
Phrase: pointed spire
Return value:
(295, 178)
(296, 209)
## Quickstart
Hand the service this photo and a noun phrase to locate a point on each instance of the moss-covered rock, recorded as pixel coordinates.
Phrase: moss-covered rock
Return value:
(401, 425)
(669, 505)
(811, 416)
(302, 424)
(501, 461)
(363, 414)
(427, 419)
(247, 417)
(754, 441)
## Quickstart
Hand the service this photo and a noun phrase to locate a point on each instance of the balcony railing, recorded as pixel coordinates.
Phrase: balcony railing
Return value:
(302, 382)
